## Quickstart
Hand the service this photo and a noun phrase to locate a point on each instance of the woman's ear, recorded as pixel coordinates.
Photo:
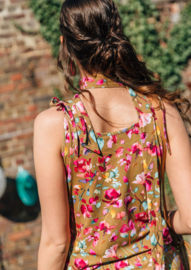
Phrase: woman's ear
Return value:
(61, 39)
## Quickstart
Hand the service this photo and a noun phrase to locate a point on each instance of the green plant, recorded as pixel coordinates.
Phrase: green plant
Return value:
(47, 13)
(141, 23)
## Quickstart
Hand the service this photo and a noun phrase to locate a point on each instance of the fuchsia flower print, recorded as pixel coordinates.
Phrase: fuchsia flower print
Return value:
(114, 190)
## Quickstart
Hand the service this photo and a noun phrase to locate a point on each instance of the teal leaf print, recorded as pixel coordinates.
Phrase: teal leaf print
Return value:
(112, 174)
(163, 222)
(77, 120)
(147, 237)
(92, 135)
(124, 235)
(145, 205)
(75, 135)
(116, 171)
(144, 258)
(136, 189)
(88, 192)
(156, 175)
(150, 192)
(132, 93)
(153, 240)
(79, 132)
(98, 205)
(147, 106)
(100, 143)
(116, 185)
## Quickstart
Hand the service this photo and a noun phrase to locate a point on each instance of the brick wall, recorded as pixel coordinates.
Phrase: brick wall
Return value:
(27, 76)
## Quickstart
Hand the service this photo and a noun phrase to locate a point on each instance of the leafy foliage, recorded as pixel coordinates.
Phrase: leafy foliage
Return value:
(141, 23)
(47, 13)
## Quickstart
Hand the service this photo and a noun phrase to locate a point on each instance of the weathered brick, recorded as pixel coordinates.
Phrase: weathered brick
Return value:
(16, 77)
(7, 87)
(24, 136)
(19, 235)
(16, 16)
(24, 86)
(7, 35)
(32, 108)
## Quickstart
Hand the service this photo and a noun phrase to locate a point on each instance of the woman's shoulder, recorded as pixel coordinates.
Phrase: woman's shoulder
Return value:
(48, 121)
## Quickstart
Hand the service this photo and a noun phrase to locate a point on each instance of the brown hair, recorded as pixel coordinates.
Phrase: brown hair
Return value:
(93, 34)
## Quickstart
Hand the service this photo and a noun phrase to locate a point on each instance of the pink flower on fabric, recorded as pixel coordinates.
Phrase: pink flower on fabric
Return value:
(82, 165)
(74, 109)
(127, 200)
(92, 252)
(69, 171)
(126, 161)
(85, 211)
(113, 139)
(67, 137)
(89, 79)
(94, 237)
(111, 252)
(111, 194)
(81, 108)
(145, 119)
(93, 200)
(142, 217)
(80, 263)
(65, 124)
(140, 179)
(104, 226)
(71, 151)
(100, 82)
(121, 215)
(125, 179)
(143, 179)
(117, 203)
(114, 237)
(121, 264)
(133, 130)
(122, 141)
(166, 236)
(143, 136)
(138, 264)
(152, 149)
(119, 152)
(124, 228)
(137, 149)
(88, 230)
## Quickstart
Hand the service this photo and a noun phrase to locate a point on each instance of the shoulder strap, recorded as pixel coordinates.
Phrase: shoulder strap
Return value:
(159, 115)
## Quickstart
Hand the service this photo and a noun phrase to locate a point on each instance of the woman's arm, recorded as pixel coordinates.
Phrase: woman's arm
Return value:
(52, 188)
(178, 167)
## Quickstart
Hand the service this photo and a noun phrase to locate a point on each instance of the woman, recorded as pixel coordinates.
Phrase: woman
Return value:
(97, 156)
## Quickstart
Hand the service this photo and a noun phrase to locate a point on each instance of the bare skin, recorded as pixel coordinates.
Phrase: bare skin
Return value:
(51, 175)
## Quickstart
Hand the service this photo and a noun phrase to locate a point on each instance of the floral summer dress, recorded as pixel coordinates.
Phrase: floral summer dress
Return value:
(114, 189)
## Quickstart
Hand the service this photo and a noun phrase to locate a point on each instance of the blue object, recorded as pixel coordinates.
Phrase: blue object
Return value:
(26, 187)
